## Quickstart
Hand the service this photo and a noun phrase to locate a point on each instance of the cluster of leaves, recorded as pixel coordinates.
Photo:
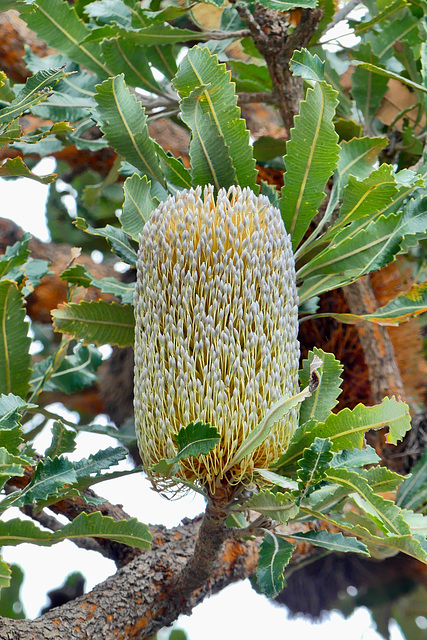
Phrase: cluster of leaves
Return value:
(121, 55)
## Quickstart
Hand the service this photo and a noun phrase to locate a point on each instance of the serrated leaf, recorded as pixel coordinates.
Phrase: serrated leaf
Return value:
(308, 66)
(94, 525)
(137, 206)
(33, 92)
(50, 477)
(193, 440)
(274, 555)
(412, 491)
(277, 506)
(395, 544)
(367, 250)
(367, 90)
(405, 306)
(115, 237)
(130, 532)
(124, 124)
(332, 541)
(88, 469)
(63, 440)
(15, 255)
(363, 198)
(381, 479)
(217, 97)
(388, 513)
(249, 76)
(79, 275)
(124, 56)
(96, 322)
(324, 398)
(57, 24)
(314, 463)
(311, 157)
(356, 458)
(10, 465)
(285, 5)
(276, 479)
(357, 158)
(16, 168)
(76, 371)
(15, 359)
(274, 414)
(162, 34)
(346, 429)
(174, 171)
(209, 154)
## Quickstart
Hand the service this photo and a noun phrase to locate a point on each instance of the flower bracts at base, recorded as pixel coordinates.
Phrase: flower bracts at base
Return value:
(216, 330)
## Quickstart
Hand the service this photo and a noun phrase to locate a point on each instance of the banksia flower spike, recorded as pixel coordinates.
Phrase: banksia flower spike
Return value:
(216, 330)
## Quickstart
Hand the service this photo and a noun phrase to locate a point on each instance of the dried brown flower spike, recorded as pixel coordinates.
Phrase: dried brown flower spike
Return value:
(216, 330)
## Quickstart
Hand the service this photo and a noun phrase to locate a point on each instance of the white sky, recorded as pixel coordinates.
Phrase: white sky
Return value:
(224, 615)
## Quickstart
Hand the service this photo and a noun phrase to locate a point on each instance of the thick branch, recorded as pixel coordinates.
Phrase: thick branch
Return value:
(274, 39)
(136, 603)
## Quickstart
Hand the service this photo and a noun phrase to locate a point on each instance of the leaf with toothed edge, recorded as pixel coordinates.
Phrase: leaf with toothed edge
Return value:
(274, 555)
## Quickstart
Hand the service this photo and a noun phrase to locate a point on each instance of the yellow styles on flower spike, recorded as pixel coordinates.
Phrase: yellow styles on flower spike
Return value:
(216, 330)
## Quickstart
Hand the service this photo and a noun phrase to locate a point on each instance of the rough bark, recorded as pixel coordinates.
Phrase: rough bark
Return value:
(135, 602)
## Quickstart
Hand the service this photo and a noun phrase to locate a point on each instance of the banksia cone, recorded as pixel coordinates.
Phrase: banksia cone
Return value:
(216, 330)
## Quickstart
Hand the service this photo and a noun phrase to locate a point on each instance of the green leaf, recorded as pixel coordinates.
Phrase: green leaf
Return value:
(88, 469)
(314, 463)
(363, 199)
(209, 154)
(388, 513)
(381, 479)
(250, 76)
(274, 555)
(395, 544)
(63, 440)
(308, 66)
(412, 491)
(347, 428)
(34, 91)
(15, 359)
(57, 24)
(274, 414)
(267, 148)
(357, 158)
(130, 532)
(10, 465)
(76, 371)
(15, 167)
(137, 206)
(124, 56)
(276, 479)
(332, 541)
(311, 157)
(50, 477)
(217, 97)
(5, 572)
(99, 322)
(277, 506)
(173, 169)
(367, 89)
(93, 525)
(15, 255)
(115, 237)
(355, 458)
(107, 11)
(317, 284)
(193, 440)
(124, 124)
(161, 34)
(405, 306)
(79, 275)
(324, 398)
(367, 250)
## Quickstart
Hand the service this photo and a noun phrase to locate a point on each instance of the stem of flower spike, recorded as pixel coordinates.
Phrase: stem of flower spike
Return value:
(212, 534)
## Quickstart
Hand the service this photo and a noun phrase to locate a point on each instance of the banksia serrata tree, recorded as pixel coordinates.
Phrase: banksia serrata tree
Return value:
(216, 330)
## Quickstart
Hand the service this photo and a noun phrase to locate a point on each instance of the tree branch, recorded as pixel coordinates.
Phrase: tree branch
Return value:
(136, 602)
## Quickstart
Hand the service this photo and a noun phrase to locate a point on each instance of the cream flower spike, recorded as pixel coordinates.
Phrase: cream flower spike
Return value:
(216, 331)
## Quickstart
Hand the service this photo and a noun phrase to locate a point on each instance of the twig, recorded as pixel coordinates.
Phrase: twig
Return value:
(343, 13)
(250, 97)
